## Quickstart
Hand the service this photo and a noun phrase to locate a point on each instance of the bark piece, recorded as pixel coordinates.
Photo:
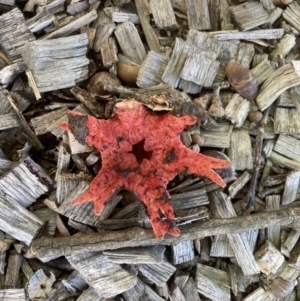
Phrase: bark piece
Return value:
(72, 26)
(109, 52)
(158, 272)
(282, 79)
(240, 247)
(269, 34)
(108, 278)
(48, 248)
(151, 70)
(9, 121)
(212, 283)
(287, 121)
(182, 252)
(249, 15)
(90, 295)
(268, 258)
(237, 110)
(12, 273)
(190, 290)
(130, 42)
(14, 34)
(260, 295)
(240, 152)
(198, 14)
(45, 123)
(163, 14)
(146, 255)
(58, 63)
(273, 234)
(14, 216)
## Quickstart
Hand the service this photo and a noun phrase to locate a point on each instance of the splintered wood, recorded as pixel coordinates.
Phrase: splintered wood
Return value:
(61, 61)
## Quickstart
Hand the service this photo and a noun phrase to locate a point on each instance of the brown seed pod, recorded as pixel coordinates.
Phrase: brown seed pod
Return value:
(99, 80)
(242, 80)
(255, 116)
(127, 73)
(282, 287)
(216, 109)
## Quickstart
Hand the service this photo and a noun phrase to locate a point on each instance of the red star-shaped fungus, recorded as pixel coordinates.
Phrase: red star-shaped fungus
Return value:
(141, 151)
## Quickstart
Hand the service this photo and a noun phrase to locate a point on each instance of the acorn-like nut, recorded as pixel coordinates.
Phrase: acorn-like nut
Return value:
(242, 80)
(198, 139)
(99, 80)
(255, 116)
(127, 73)
(282, 287)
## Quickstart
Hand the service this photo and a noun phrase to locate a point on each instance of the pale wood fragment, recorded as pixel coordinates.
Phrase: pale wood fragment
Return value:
(9, 73)
(12, 272)
(17, 294)
(291, 187)
(47, 216)
(200, 69)
(237, 110)
(290, 243)
(182, 252)
(203, 41)
(53, 6)
(9, 121)
(58, 63)
(72, 26)
(40, 21)
(273, 233)
(90, 295)
(163, 14)
(157, 272)
(281, 160)
(268, 258)
(269, 34)
(191, 199)
(280, 80)
(218, 136)
(213, 283)
(225, 16)
(260, 295)
(2, 262)
(14, 34)
(151, 69)
(240, 152)
(245, 54)
(287, 121)
(84, 213)
(143, 10)
(240, 247)
(146, 255)
(130, 42)
(120, 17)
(292, 15)
(262, 71)
(238, 184)
(198, 14)
(13, 216)
(268, 4)
(25, 174)
(288, 146)
(249, 15)
(109, 279)
(284, 47)
(77, 7)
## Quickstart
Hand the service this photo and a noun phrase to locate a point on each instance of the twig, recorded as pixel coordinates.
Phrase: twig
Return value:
(23, 121)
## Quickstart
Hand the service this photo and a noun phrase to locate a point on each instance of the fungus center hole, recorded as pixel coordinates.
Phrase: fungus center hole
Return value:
(140, 153)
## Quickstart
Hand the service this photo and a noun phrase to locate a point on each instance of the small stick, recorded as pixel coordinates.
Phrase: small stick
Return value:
(24, 123)
(33, 85)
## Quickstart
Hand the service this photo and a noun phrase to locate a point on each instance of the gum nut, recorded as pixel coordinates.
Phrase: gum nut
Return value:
(99, 80)
(127, 73)
(242, 80)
